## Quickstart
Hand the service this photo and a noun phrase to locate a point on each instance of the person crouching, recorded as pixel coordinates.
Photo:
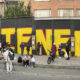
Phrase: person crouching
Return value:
(26, 60)
(32, 61)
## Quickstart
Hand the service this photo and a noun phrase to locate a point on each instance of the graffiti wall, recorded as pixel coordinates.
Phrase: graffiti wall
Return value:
(14, 31)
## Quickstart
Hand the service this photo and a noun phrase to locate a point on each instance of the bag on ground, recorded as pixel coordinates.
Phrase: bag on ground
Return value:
(19, 59)
(66, 55)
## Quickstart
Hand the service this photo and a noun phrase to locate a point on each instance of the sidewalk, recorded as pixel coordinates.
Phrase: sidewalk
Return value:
(41, 62)
(73, 63)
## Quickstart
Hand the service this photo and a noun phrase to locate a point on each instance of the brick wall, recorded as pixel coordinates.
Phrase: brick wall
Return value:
(54, 5)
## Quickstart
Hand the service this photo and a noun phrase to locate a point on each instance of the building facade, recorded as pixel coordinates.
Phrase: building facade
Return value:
(6, 3)
(55, 8)
(2, 7)
(0, 0)
(26, 2)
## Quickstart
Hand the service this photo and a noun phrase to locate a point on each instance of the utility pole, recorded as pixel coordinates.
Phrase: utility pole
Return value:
(72, 39)
(0, 35)
(33, 38)
(0, 30)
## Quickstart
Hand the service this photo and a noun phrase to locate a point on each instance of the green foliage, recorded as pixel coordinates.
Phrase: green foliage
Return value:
(28, 11)
(0, 16)
(17, 11)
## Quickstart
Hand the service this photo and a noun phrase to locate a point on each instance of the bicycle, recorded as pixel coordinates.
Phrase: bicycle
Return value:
(51, 57)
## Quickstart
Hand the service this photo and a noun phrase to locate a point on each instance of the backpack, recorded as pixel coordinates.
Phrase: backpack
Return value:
(11, 55)
(11, 50)
(19, 59)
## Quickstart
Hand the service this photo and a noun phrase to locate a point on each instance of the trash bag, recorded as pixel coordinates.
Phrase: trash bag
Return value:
(19, 59)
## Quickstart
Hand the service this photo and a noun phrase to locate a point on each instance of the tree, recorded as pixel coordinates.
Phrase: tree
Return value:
(0, 16)
(28, 11)
(17, 11)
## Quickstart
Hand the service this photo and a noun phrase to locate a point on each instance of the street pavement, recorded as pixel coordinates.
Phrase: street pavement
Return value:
(59, 63)
(27, 73)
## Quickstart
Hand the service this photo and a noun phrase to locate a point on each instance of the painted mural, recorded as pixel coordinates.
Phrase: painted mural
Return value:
(44, 39)
(45, 35)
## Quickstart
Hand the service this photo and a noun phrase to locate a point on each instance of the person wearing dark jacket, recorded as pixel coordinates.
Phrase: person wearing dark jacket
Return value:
(22, 48)
(54, 50)
(59, 50)
(38, 48)
(28, 49)
(68, 48)
(4, 45)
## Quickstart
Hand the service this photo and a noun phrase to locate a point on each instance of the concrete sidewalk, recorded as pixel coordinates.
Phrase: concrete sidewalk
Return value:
(41, 61)
(73, 63)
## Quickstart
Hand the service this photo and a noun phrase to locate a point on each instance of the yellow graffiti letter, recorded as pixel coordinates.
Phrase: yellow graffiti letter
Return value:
(77, 43)
(46, 39)
(8, 32)
(57, 36)
(20, 37)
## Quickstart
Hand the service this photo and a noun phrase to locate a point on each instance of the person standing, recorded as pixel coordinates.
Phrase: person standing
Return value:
(59, 50)
(68, 48)
(8, 62)
(28, 49)
(4, 44)
(22, 48)
(38, 48)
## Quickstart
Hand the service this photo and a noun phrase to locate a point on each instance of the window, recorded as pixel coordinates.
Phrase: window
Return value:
(42, 13)
(65, 0)
(78, 12)
(41, 0)
(65, 12)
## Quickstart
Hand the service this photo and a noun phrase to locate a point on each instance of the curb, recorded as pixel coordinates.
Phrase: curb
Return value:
(57, 67)
(48, 66)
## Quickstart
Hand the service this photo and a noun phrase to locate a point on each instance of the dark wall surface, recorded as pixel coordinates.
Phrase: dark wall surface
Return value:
(37, 24)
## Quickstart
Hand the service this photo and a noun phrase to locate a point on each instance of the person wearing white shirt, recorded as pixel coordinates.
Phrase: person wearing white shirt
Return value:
(32, 61)
(26, 60)
(7, 60)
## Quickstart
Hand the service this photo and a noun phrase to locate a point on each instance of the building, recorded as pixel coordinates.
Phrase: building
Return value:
(6, 3)
(55, 8)
(26, 2)
(2, 7)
